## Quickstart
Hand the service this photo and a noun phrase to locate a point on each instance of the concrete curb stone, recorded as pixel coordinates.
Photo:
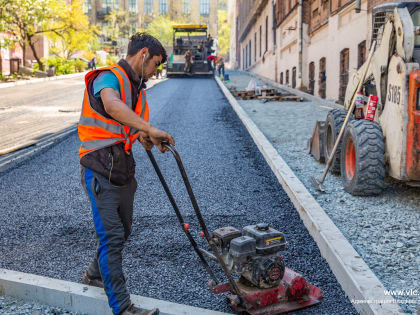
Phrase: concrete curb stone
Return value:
(80, 298)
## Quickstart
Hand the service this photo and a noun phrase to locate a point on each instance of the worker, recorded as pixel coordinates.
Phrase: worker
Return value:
(159, 71)
(221, 66)
(209, 45)
(187, 58)
(210, 61)
(114, 115)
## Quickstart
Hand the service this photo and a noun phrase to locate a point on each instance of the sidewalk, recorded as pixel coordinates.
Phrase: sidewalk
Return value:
(383, 229)
(30, 113)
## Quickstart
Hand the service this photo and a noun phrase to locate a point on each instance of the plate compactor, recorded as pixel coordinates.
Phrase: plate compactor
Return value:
(263, 284)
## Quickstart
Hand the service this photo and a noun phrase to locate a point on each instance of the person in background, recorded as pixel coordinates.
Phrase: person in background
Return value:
(221, 66)
(159, 71)
(187, 57)
(93, 63)
(210, 62)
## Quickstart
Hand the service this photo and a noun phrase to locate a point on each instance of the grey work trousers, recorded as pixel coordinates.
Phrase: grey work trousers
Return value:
(112, 210)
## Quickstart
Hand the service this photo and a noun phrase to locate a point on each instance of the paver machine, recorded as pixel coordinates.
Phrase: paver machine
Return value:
(189, 37)
(389, 143)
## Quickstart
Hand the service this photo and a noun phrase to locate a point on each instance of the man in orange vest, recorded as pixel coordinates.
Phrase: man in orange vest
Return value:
(114, 115)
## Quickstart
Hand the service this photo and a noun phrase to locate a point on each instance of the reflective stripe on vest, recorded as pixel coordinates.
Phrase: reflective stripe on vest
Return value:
(97, 131)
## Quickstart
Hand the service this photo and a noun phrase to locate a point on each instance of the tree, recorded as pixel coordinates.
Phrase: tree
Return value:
(77, 34)
(161, 28)
(223, 37)
(25, 19)
(119, 24)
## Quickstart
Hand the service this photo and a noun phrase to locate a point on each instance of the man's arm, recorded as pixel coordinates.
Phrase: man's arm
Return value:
(126, 116)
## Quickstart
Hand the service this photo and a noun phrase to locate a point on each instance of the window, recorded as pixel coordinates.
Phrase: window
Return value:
(281, 78)
(148, 6)
(344, 73)
(246, 57)
(361, 55)
(266, 33)
(250, 49)
(87, 7)
(287, 76)
(311, 78)
(260, 38)
(322, 83)
(294, 77)
(255, 46)
(186, 6)
(163, 6)
(132, 6)
(204, 7)
(107, 6)
(243, 58)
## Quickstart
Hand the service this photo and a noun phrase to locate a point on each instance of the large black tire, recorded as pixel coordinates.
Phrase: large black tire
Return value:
(333, 124)
(363, 158)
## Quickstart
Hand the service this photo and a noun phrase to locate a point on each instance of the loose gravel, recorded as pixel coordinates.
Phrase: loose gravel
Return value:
(383, 229)
(47, 227)
(13, 306)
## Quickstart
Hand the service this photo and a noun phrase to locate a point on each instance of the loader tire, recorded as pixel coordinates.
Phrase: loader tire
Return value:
(333, 123)
(363, 158)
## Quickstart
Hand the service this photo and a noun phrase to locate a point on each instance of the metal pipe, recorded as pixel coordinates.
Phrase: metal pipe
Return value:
(358, 5)
(208, 254)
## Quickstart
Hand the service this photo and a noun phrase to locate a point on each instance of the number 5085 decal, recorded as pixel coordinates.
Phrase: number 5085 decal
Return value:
(394, 94)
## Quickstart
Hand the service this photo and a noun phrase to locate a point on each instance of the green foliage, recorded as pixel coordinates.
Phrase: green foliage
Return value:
(119, 24)
(25, 19)
(223, 33)
(161, 28)
(63, 65)
(80, 65)
(111, 59)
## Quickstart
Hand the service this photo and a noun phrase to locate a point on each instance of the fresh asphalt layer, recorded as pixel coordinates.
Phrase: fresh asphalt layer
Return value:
(47, 227)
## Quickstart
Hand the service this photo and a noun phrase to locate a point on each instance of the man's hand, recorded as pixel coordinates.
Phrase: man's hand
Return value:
(145, 141)
(157, 136)
(126, 116)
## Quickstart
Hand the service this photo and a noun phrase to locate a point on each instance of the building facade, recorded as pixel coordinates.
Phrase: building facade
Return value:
(142, 12)
(313, 45)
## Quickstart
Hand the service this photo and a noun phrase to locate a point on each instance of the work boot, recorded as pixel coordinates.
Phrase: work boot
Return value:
(132, 310)
(92, 281)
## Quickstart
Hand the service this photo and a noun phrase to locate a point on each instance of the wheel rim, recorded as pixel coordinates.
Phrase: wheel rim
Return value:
(350, 160)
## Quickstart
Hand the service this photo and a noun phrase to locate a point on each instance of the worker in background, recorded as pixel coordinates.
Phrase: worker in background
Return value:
(210, 63)
(209, 45)
(93, 63)
(187, 58)
(159, 71)
(221, 66)
(114, 116)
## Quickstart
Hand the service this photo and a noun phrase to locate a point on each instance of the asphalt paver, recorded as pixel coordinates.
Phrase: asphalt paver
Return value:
(46, 222)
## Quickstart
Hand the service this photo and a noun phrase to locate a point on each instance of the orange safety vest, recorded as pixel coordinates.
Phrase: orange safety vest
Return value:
(96, 131)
